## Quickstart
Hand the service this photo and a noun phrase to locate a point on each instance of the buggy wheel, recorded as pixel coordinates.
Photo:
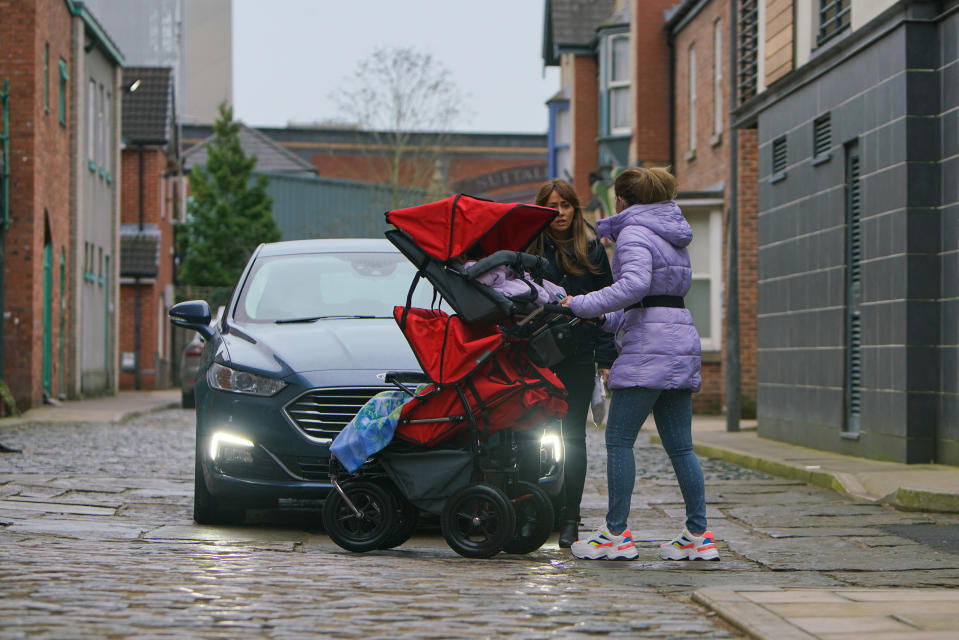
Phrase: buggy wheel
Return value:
(534, 518)
(406, 517)
(477, 520)
(363, 532)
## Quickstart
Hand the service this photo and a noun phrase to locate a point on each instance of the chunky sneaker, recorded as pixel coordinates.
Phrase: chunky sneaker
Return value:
(686, 546)
(603, 544)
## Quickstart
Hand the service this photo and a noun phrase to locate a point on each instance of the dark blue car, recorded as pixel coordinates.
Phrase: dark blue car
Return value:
(306, 339)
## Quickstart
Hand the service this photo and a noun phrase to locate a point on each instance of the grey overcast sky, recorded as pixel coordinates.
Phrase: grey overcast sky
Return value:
(288, 55)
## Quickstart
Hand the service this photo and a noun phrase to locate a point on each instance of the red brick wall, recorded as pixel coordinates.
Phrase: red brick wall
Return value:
(748, 262)
(366, 167)
(155, 211)
(39, 188)
(650, 141)
(710, 165)
(584, 114)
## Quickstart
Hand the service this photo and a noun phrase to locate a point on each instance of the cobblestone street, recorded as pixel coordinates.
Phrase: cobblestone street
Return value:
(97, 540)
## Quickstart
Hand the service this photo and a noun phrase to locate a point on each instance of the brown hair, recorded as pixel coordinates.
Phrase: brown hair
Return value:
(645, 185)
(573, 254)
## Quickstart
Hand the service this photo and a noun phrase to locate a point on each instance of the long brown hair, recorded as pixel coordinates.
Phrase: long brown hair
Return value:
(573, 252)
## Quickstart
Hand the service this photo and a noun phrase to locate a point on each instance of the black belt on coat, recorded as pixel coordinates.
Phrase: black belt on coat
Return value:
(659, 301)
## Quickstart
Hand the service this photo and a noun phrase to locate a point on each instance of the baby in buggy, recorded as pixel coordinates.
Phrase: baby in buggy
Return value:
(452, 446)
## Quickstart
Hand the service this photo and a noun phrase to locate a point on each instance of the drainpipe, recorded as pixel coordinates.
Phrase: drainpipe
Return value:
(4, 198)
(733, 365)
(672, 100)
(136, 280)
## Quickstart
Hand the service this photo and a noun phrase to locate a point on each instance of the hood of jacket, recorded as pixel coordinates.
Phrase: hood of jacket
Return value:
(663, 218)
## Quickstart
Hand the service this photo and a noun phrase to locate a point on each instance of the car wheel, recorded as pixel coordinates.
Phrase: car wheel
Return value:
(534, 518)
(477, 520)
(206, 508)
(187, 399)
(369, 529)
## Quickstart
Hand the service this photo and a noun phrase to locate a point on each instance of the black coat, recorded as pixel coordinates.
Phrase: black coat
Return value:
(590, 339)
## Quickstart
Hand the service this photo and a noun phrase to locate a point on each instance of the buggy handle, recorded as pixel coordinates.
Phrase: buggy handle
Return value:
(526, 261)
(558, 308)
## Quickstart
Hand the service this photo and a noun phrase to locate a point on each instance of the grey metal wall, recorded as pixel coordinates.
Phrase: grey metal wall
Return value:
(312, 207)
(896, 99)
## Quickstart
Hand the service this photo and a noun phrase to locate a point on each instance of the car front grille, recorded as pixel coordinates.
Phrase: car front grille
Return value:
(322, 413)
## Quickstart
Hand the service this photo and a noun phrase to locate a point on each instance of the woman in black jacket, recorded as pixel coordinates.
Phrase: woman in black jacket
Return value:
(577, 262)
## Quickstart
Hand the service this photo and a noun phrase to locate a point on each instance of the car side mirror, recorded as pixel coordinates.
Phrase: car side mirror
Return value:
(192, 314)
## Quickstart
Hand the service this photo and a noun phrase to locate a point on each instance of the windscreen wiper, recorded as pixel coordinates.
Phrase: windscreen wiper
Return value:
(315, 318)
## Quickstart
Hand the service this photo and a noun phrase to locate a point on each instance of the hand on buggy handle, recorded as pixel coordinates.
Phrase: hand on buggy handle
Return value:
(565, 303)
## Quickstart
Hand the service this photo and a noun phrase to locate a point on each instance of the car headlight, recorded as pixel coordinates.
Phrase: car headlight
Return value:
(553, 443)
(227, 379)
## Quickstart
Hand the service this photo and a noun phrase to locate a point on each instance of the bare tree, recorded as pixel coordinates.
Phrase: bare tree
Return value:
(405, 103)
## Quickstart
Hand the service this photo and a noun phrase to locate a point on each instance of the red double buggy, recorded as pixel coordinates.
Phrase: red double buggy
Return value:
(467, 445)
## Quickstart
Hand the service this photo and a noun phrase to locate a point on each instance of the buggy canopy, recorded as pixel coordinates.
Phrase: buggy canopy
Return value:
(449, 227)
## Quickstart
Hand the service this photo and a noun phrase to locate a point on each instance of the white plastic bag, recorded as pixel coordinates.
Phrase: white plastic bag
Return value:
(597, 405)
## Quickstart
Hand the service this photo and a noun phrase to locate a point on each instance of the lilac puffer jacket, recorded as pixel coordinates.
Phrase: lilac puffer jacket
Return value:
(658, 346)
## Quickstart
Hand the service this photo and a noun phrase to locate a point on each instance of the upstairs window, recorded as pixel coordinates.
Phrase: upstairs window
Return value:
(46, 77)
(64, 76)
(717, 77)
(748, 50)
(691, 107)
(833, 18)
(91, 122)
(618, 84)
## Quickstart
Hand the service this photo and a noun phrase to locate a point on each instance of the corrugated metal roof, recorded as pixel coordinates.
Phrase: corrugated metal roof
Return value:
(148, 111)
(270, 157)
(314, 207)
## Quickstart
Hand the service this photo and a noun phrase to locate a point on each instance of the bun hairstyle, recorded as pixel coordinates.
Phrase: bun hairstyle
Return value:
(645, 185)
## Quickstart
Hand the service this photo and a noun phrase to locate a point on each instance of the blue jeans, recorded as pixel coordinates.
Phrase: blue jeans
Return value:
(673, 411)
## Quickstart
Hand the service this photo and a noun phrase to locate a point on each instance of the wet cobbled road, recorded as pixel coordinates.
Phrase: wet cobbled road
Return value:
(97, 541)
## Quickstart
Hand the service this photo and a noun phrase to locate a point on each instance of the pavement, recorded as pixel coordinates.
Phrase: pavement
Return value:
(759, 611)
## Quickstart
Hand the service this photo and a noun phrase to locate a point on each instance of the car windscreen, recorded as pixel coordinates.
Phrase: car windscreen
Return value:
(307, 287)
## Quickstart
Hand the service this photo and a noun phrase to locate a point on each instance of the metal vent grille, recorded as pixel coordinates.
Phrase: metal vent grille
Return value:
(822, 135)
(322, 413)
(779, 155)
(853, 293)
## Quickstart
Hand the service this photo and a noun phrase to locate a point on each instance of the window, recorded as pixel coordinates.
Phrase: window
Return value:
(748, 50)
(46, 77)
(618, 84)
(833, 18)
(822, 139)
(64, 76)
(107, 135)
(100, 128)
(91, 123)
(704, 299)
(779, 159)
(717, 78)
(691, 107)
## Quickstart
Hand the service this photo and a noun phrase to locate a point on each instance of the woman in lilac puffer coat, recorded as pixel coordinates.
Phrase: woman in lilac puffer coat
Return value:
(658, 367)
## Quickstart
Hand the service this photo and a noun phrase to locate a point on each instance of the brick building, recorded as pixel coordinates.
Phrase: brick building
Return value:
(154, 196)
(626, 100)
(499, 166)
(59, 223)
(716, 171)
